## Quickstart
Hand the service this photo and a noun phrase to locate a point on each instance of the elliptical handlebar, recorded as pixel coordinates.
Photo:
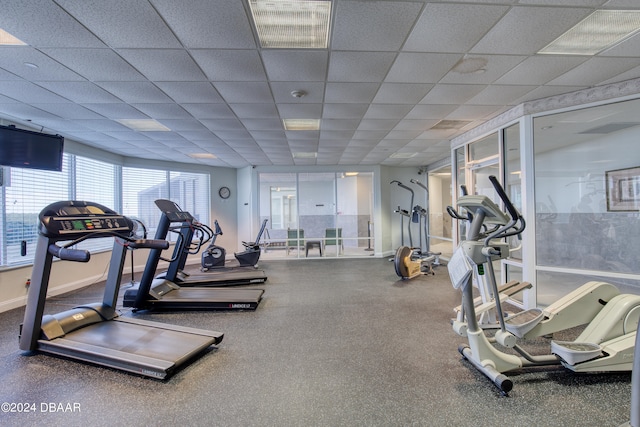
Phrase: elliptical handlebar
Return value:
(501, 193)
(517, 223)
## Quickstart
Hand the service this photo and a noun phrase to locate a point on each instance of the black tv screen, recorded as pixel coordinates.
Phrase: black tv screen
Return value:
(21, 148)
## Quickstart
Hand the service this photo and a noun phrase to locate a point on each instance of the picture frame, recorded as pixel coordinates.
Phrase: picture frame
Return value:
(623, 190)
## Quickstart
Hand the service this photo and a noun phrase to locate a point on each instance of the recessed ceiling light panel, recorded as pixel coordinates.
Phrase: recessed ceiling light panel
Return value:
(402, 155)
(305, 155)
(597, 32)
(301, 124)
(144, 125)
(292, 24)
(202, 156)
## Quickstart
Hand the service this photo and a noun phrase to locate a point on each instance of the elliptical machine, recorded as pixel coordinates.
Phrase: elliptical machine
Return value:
(214, 256)
(606, 344)
(410, 262)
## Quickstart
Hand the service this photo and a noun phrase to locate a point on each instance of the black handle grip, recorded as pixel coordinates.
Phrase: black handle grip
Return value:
(512, 209)
(149, 243)
(68, 254)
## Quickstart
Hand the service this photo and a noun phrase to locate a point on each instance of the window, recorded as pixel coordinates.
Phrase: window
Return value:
(142, 187)
(25, 192)
(95, 182)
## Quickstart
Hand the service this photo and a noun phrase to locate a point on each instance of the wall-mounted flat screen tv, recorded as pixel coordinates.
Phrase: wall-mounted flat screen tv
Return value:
(21, 148)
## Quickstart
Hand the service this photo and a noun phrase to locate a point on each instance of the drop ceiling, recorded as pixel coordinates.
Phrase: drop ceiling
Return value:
(393, 70)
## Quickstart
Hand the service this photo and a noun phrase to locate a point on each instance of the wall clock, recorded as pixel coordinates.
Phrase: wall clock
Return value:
(224, 192)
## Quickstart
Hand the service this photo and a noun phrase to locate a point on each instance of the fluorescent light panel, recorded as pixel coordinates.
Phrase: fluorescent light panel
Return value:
(597, 32)
(301, 124)
(305, 155)
(9, 40)
(292, 24)
(402, 155)
(202, 156)
(144, 125)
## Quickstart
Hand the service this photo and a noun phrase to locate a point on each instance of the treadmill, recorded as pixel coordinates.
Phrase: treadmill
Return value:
(95, 333)
(216, 276)
(163, 294)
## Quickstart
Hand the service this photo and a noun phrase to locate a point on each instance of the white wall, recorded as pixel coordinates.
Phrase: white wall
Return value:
(67, 276)
(401, 197)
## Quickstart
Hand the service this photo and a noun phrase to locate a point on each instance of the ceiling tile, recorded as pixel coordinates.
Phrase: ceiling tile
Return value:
(164, 64)
(37, 31)
(496, 66)
(452, 94)
(122, 23)
(595, 70)
(313, 92)
(95, 64)
(527, 23)
(500, 95)
(135, 92)
(209, 111)
(452, 27)
(230, 65)
(295, 65)
(412, 67)
(244, 92)
(401, 93)
(359, 66)
(28, 92)
(15, 58)
(540, 69)
(191, 93)
(381, 26)
(80, 92)
(255, 111)
(344, 111)
(116, 111)
(163, 111)
(208, 23)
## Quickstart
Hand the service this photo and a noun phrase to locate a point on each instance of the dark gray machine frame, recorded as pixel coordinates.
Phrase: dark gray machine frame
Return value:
(162, 294)
(215, 276)
(95, 332)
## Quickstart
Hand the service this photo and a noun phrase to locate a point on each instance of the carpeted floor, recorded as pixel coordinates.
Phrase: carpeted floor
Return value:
(333, 343)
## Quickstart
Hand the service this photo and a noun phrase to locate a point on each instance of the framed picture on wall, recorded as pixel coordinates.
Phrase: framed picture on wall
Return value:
(623, 190)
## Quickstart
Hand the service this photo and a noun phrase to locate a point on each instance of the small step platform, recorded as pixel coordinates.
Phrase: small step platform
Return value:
(521, 323)
(575, 352)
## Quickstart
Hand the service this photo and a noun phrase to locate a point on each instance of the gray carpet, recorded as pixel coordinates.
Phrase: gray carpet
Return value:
(334, 343)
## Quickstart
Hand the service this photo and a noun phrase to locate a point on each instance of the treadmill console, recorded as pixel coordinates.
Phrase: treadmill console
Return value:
(73, 219)
(173, 211)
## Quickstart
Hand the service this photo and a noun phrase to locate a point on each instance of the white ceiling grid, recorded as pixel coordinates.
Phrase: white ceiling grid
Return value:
(392, 71)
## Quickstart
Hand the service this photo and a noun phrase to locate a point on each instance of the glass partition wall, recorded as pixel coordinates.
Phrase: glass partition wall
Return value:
(587, 194)
(317, 214)
(575, 176)
(496, 154)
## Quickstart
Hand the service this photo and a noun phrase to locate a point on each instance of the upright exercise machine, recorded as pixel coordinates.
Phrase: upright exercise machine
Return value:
(423, 220)
(214, 256)
(216, 274)
(410, 262)
(95, 333)
(164, 294)
(606, 344)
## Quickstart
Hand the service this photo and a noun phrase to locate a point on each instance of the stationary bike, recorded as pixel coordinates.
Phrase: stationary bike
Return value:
(214, 256)
(607, 342)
